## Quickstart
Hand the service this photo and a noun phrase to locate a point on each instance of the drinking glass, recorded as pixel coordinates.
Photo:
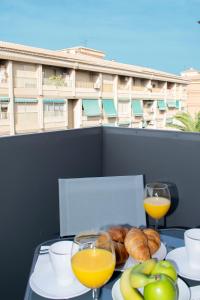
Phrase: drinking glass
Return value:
(157, 200)
(93, 259)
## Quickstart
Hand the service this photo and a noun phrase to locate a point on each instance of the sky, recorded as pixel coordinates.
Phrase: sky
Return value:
(160, 34)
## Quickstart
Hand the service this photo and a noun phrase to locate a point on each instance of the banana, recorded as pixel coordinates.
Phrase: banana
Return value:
(127, 291)
(139, 275)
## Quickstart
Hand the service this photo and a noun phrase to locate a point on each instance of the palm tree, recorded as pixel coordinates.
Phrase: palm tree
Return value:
(185, 122)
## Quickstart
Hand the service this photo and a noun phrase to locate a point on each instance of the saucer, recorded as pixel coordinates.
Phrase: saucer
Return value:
(184, 291)
(160, 255)
(179, 258)
(43, 282)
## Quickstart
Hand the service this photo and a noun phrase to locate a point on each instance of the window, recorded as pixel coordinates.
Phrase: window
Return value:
(123, 107)
(54, 109)
(3, 111)
(25, 75)
(26, 107)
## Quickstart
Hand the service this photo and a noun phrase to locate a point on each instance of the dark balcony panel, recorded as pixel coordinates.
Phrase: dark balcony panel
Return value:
(30, 166)
(171, 157)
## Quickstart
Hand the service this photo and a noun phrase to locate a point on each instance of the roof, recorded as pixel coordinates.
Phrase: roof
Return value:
(81, 61)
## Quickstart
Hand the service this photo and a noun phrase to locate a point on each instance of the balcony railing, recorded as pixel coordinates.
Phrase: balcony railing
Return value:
(85, 84)
(123, 87)
(138, 88)
(4, 115)
(50, 82)
(107, 87)
(23, 82)
(32, 164)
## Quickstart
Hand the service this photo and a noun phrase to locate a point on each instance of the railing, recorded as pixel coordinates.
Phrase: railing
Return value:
(123, 87)
(85, 84)
(24, 82)
(51, 82)
(107, 87)
(4, 115)
(157, 90)
(138, 88)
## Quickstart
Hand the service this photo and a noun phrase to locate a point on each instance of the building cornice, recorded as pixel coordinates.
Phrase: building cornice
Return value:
(22, 53)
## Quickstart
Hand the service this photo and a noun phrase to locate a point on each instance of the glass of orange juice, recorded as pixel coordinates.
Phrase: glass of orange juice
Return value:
(157, 200)
(93, 259)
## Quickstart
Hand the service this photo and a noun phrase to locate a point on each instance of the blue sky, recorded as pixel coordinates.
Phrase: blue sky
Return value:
(161, 34)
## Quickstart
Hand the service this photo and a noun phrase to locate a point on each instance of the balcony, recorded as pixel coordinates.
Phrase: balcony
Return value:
(138, 88)
(24, 82)
(31, 165)
(85, 84)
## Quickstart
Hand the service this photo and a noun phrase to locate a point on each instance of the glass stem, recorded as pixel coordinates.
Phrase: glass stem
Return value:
(95, 294)
(156, 224)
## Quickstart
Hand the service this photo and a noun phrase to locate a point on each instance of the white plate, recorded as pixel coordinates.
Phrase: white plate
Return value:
(184, 291)
(160, 255)
(195, 292)
(179, 258)
(43, 283)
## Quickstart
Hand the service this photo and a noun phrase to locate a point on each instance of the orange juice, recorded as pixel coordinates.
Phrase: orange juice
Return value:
(156, 207)
(93, 267)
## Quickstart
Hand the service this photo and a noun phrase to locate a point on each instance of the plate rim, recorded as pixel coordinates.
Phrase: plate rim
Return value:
(179, 272)
(45, 294)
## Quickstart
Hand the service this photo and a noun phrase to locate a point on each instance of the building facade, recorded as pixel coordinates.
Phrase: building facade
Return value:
(43, 90)
(193, 90)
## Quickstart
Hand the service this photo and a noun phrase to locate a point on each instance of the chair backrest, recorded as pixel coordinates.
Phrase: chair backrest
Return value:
(96, 202)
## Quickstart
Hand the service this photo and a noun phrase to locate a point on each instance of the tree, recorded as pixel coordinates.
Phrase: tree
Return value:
(185, 122)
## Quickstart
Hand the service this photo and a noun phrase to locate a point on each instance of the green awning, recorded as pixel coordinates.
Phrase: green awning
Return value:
(4, 99)
(48, 101)
(109, 108)
(26, 100)
(178, 104)
(171, 103)
(91, 107)
(161, 105)
(137, 109)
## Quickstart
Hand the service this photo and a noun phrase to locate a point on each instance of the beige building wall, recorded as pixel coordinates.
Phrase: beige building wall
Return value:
(193, 91)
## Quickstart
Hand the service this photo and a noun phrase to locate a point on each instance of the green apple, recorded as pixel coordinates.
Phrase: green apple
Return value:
(165, 267)
(163, 288)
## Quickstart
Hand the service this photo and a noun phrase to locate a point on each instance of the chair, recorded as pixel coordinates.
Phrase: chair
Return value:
(97, 202)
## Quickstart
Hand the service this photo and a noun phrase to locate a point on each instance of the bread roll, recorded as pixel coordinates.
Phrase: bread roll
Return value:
(136, 244)
(118, 234)
(120, 253)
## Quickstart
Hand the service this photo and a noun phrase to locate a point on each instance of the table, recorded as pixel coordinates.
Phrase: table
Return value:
(173, 237)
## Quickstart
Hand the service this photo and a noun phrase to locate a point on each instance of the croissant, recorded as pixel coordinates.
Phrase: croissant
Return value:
(136, 244)
(153, 239)
(118, 233)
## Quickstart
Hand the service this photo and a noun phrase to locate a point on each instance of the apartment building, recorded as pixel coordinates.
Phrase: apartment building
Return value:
(193, 90)
(43, 90)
